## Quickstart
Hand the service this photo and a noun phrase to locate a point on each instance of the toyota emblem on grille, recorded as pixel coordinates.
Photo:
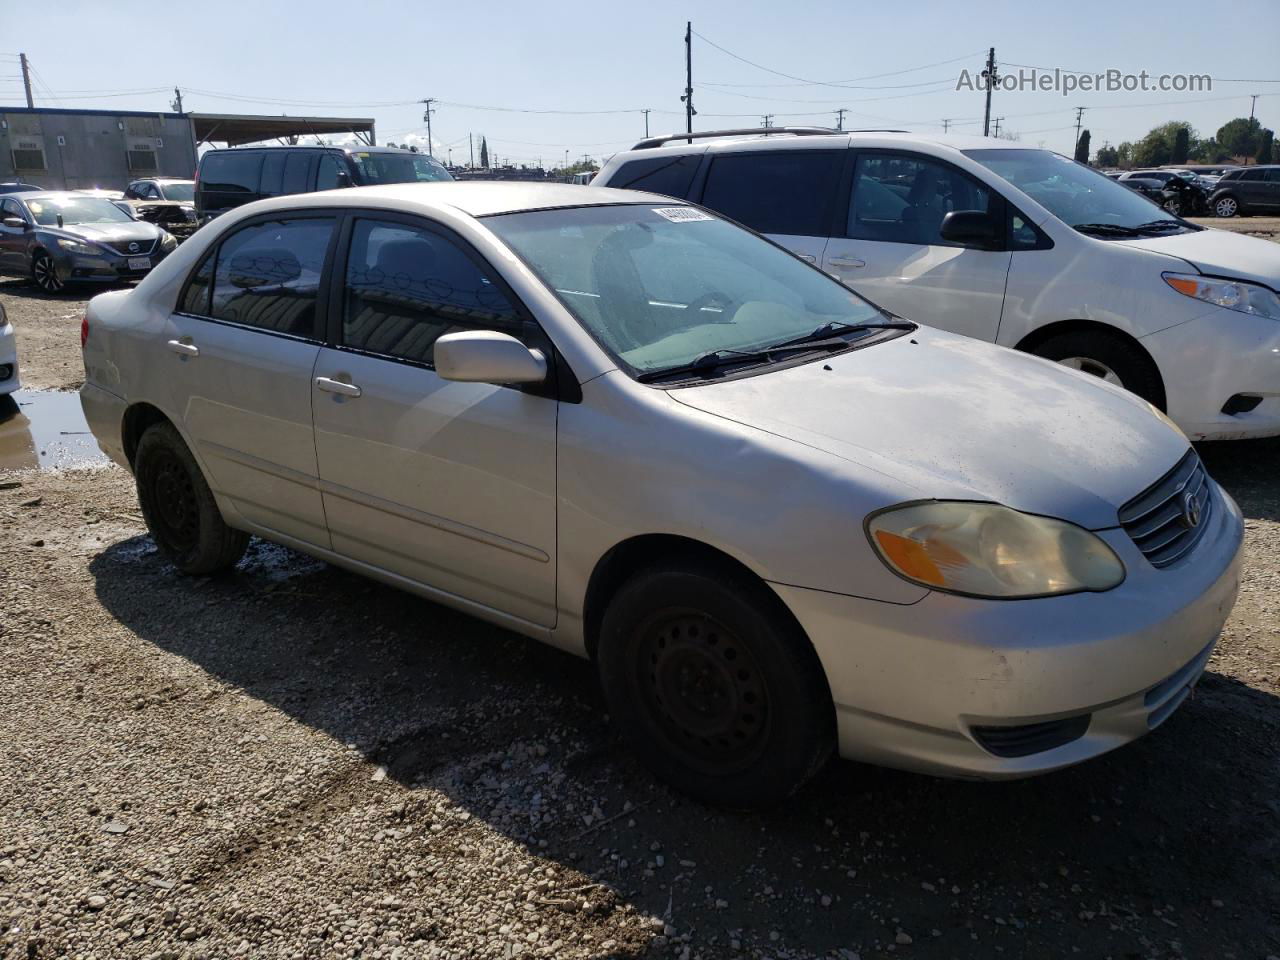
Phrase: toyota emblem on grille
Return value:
(134, 248)
(1190, 511)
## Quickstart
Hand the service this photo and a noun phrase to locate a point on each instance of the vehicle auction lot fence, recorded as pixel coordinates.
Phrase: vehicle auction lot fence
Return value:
(297, 761)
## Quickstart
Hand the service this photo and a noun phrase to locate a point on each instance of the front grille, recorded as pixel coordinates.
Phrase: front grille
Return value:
(1029, 738)
(1170, 517)
(145, 247)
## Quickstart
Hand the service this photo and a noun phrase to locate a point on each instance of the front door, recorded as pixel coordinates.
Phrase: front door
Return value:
(451, 485)
(890, 248)
(238, 359)
(13, 240)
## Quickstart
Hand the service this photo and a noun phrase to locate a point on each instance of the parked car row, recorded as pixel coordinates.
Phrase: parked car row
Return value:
(1229, 192)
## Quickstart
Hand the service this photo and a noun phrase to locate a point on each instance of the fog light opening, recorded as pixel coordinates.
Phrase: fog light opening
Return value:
(1241, 403)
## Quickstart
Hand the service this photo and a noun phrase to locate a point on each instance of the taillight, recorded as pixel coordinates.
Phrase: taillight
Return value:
(84, 329)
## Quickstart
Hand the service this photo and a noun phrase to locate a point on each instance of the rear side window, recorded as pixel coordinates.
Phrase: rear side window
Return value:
(231, 172)
(902, 198)
(1253, 175)
(268, 275)
(406, 287)
(296, 168)
(787, 192)
(327, 178)
(272, 174)
(666, 175)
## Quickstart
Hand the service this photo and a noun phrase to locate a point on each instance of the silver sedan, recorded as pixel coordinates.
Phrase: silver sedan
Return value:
(781, 521)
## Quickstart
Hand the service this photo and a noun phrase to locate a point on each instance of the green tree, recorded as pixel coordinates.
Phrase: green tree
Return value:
(1207, 151)
(1181, 145)
(1108, 157)
(1239, 137)
(1082, 147)
(1265, 147)
(1124, 155)
(1157, 146)
(484, 153)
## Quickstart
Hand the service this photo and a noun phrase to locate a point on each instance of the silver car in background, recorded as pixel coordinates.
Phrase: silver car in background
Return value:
(69, 237)
(781, 521)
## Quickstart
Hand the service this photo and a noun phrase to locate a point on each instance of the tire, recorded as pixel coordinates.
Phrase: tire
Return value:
(1108, 357)
(44, 273)
(1226, 207)
(179, 508)
(715, 686)
(1174, 206)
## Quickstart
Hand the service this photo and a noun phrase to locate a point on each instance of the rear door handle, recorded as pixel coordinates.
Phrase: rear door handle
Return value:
(847, 261)
(329, 385)
(807, 257)
(183, 348)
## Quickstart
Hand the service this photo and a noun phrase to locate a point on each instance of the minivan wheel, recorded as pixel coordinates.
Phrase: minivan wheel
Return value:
(1106, 357)
(1226, 207)
(45, 273)
(715, 686)
(179, 508)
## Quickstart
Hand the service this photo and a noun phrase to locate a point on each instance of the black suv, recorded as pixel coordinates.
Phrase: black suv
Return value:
(1247, 190)
(227, 179)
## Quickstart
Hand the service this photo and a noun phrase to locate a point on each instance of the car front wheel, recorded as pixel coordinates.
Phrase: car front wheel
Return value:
(45, 273)
(1225, 207)
(178, 506)
(715, 686)
(1107, 357)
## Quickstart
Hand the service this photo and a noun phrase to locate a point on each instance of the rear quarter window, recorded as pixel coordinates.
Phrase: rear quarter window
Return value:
(231, 172)
(670, 176)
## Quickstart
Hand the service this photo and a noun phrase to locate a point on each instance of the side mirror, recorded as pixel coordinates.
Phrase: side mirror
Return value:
(16, 222)
(972, 228)
(486, 356)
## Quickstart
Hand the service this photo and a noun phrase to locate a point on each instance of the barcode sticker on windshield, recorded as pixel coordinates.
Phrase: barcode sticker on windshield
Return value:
(681, 214)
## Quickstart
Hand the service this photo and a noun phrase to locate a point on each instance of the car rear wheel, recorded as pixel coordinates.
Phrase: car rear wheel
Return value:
(179, 508)
(1106, 357)
(1225, 207)
(44, 272)
(1173, 205)
(715, 686)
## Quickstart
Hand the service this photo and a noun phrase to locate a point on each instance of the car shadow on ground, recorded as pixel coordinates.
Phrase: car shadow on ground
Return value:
(1171, 839)
(1250, 471)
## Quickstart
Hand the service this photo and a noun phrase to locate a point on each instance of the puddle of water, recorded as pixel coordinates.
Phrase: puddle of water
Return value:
(45, 429)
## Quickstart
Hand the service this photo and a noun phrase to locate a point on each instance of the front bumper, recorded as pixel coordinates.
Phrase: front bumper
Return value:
(8, 360)
(105, 267)
(916, 685)
(1207, 361)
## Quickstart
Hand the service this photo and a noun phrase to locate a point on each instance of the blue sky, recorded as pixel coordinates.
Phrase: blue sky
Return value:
(372, 59)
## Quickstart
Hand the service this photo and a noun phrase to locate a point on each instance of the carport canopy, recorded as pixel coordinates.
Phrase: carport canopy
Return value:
(236, 129)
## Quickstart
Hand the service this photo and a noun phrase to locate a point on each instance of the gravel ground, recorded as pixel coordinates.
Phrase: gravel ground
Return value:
(296, 762)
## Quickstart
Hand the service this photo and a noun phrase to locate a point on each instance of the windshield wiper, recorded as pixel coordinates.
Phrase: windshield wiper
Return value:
(1108, 229)
(715, 359)
(835, 327)
(1160, 226)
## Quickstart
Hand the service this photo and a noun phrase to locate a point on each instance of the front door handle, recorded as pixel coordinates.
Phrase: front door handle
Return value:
(342, 389)
(184, 348)
(840, 261)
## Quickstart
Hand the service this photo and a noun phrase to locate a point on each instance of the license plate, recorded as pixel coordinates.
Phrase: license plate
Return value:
(139, 263)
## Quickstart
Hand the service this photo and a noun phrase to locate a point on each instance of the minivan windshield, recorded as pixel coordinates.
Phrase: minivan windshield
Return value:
(183, 191)
(47, 210)
(669, 288)
(397, 168)
(1077, 195)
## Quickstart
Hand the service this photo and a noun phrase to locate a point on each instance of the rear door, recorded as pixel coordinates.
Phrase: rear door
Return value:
(1251, 188)
(888, 245)
(788, 195)
(240, 352)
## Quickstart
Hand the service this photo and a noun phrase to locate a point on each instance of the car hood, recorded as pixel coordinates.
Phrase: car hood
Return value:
(955, 418)
(111, 232)
(1221, 254)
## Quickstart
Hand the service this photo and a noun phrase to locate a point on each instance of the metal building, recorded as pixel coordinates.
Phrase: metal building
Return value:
(78, 149)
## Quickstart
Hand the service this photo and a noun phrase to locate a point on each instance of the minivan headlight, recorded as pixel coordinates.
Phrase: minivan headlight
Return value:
(986, 550)
(1233, 294)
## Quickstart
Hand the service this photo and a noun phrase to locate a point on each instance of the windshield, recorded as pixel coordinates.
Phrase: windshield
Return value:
(1074, 193)
(46, 211)
(397, 168)
(179, 190)
(661, 287)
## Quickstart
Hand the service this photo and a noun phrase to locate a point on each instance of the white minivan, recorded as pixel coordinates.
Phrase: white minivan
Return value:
(1011, 244)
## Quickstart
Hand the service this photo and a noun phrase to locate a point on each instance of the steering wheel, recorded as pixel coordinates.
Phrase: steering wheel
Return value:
(728, 307)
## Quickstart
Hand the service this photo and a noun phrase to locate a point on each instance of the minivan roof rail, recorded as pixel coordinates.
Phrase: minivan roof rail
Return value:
(651, 142)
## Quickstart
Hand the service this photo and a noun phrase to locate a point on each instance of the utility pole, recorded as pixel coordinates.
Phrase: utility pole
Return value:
(1252, 106)
(177, 100)
(688, 78)
(1079, 114)
(767, 120)
(840, 117)
(997, 130)
(471, 143)
(646, 122)
(26, 80)
(427, 117)
(946, 125)
(992, 78)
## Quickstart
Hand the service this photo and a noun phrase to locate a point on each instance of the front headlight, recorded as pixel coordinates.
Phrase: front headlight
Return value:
(169, 243)
(1233, 294)
(986, 550)
(77, 246)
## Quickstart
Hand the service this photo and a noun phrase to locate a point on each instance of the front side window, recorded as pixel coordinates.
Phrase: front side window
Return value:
(902, 198)
(179, 191)
(406, 287)
(662, 287)
(268, 275)
(785, 192)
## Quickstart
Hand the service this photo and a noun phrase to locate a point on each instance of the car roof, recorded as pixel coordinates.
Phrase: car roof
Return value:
(785, 141)
(478, 198)
(347, 147)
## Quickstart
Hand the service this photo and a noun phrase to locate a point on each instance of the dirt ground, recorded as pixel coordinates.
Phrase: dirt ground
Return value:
(296, 762)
